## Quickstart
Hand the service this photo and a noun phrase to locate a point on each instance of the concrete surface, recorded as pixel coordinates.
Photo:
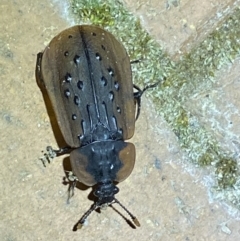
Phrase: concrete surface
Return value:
(169, 197)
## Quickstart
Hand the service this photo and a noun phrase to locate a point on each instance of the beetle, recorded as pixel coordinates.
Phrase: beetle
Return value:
(86, 73)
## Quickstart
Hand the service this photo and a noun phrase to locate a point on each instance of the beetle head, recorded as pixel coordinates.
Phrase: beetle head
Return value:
(105, 192)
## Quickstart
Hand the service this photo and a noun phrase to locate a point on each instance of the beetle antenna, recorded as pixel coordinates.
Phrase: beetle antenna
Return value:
(98, 204)
(85, 215)
(134, 219)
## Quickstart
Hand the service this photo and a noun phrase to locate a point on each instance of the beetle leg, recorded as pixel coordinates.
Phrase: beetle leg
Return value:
(54, 153)
(135, 61)
(72, 184)
(50, 154)
(138, 95)
(137, 98)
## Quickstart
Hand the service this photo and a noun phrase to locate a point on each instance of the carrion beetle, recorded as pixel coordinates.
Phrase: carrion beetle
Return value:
(87, 75)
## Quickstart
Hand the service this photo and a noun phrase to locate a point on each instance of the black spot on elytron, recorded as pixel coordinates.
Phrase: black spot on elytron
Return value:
(118, 109)
(98, 57)
(76, 59)
(68, 78)
(76, 100)
(116, 85)
(103, 47)
(67, 93)
(66, 53)
(80, 84)
(70, 36)
(74, 117)
(103, 81)
(94, 34)
(110, 71)
(111, 95)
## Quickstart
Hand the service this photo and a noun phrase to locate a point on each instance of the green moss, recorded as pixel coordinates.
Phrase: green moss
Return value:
(182, 119)
(226, 171)
(206, 159)
(96, 12)
(193, 73)
(196, 71)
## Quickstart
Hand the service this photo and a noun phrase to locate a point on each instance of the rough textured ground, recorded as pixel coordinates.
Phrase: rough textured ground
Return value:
(171, 198)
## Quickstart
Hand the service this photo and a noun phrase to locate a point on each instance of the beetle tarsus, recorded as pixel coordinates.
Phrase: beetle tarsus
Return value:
(48, 156)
